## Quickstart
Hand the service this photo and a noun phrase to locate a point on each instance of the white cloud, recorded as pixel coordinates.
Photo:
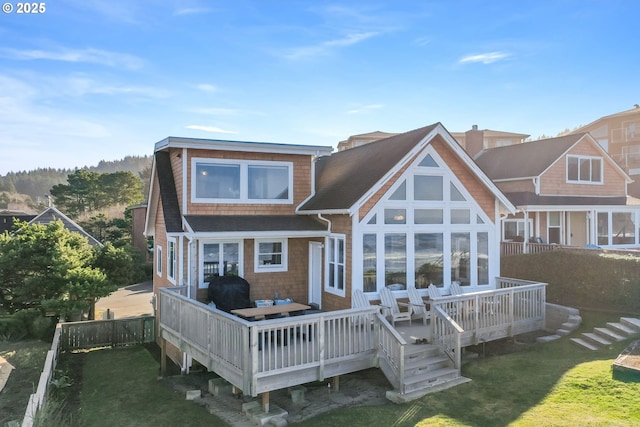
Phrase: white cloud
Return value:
(93, 56)
(325, 48)
(365, 109)
(485, 58)
(192, 11)
(211, 129)
(206, 87)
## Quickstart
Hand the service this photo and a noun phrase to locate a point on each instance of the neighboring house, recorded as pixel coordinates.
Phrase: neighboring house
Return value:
(52, 214)
(7, 218)
(364, 138)
(619, 135)
(138, 218)
(570, 190)
(476, 140)
(306, 224)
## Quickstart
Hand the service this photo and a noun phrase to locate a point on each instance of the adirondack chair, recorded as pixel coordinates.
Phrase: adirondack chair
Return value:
(418, 305)
(455, 289)
(391, 307)
(434, 294)
(359, 300)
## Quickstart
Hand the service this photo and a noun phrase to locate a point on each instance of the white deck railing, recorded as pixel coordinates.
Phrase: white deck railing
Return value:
(391, 348)
(271, 354)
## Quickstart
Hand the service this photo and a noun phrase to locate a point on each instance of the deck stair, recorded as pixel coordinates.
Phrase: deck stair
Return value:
(427, 369)
(611, 333)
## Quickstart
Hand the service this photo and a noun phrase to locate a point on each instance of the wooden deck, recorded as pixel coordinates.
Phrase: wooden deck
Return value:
(260, 356)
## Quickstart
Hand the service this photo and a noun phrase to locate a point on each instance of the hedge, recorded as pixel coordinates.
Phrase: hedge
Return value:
(582, 278)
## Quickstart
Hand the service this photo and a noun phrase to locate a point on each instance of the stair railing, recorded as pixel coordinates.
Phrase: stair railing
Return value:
(446, 334)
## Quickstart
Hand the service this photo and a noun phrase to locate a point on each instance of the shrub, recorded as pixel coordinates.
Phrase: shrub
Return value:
(582, 278)
(12, 329)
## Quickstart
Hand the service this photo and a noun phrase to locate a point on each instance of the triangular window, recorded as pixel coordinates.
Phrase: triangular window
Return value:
(400, 193)
(456, 195)
(428, 162)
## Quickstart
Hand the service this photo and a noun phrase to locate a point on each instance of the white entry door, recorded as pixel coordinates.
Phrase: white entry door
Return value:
(315, 273)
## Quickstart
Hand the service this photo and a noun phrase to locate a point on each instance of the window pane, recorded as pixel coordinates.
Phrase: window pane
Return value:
(596, 170)
(483, 258)
(427, 187)
(270, 253)
(217, 181)
(428, 162)
(369, 267)
(230, 259)
(572, 168)
(395, 216)
(456, 195)
(603, 228)
(554, 219)
(460, 266)
(622, 227)
(428, 216)
(428, 259)
(373, 219)
(211, 260)
(269, 182)
(395, 258)
(400, 193)
(460, 216)
(585, 169)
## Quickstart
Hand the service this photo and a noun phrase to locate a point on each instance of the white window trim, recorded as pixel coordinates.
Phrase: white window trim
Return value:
(330, 289)
(159, 260)
(579, 181)
(262, 268)
(172, 262)
(517, 221)
(202, 242)
(244, 181)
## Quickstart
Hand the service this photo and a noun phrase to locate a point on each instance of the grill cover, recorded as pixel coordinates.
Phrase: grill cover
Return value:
(229, 293)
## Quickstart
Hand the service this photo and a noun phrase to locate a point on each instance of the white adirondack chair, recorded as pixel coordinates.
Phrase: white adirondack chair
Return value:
(433, 291)
(418, 305)
(391, 307)
(359, 300)
(455, 289)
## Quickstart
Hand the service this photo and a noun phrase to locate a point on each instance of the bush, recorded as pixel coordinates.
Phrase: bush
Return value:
(582, 278)
(12, 329)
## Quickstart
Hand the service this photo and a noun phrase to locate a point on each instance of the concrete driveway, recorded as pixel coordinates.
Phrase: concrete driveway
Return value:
(130, 301)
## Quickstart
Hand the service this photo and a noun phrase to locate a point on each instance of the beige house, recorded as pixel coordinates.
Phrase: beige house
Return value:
(569, 190)
(476, 140)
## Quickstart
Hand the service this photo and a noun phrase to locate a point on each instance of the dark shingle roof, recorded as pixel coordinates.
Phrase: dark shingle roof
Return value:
(249, 223)
(344, 177)
(524, 160)
(168, 194)
(526, 198)
(52, 214)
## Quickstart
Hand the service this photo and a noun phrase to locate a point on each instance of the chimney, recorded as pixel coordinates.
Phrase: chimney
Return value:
(474, 141)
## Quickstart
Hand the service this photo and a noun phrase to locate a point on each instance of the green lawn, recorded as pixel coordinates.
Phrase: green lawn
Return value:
(553, 384)
(27, 357)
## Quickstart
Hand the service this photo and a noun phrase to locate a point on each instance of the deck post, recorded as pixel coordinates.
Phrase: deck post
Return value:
(265, 402)
(335, 383)
(163, 357)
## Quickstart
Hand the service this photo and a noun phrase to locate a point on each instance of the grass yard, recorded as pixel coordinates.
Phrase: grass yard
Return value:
(27, 357)
(553, 384)
(514, 384)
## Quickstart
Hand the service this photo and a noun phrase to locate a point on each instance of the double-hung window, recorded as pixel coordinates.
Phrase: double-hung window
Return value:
(271, 255)
(241, 181)
(336, 257)
(584, 170)
(172, 260)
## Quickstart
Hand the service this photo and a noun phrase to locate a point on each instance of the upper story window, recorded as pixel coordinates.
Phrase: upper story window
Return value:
(271, 255)
(584, 169)
(240, 181)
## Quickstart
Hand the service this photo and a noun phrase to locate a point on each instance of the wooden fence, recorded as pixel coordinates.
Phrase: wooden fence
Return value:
(82, 335)
(107, 333)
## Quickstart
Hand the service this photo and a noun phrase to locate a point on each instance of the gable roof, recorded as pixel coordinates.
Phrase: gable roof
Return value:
(526, 160)
(345, 177)
(531, 159)
(52, 214)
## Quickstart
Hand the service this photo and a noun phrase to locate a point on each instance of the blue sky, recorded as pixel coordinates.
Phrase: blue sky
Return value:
(89, 80)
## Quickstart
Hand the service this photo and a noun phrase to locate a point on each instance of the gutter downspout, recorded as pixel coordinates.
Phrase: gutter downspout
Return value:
(328, 221)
